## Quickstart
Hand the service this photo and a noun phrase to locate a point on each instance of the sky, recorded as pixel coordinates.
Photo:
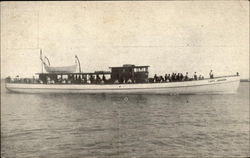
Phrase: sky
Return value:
(169, 36)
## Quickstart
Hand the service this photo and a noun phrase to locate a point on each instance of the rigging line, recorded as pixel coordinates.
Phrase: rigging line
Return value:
(47, 60)
(79, 64)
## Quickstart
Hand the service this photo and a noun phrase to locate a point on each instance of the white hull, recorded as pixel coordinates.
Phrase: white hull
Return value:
(228, 84)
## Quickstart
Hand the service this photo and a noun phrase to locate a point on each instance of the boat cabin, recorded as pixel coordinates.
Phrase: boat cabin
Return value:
(76, 78)
(124, 74)
(129, 73)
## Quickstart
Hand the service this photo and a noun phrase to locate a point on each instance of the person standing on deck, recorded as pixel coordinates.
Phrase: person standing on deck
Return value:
(104, 78)
(161, 79)
(181, 77)
(186, 77)
(211, 74)
(155, 78)
(172, 77)
(166, 77)
(98, 79)
(195, 76)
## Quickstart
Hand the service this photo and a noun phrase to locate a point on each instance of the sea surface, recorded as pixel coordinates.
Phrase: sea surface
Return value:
(133, 126)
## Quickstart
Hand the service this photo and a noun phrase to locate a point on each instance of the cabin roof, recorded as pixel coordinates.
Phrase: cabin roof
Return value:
(130, 66)
(78, 73)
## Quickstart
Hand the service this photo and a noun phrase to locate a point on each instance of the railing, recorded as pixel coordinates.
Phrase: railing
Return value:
(221, 77)
(22, 80)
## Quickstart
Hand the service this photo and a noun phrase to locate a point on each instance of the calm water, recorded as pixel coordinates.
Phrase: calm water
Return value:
(80, 125)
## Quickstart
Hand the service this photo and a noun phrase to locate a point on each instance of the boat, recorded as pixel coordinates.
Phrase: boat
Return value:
(62, 69)
(128, 79)
(227, 84)
(66, 69)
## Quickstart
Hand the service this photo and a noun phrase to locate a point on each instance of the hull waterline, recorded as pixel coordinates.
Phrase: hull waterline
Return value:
(208, 86)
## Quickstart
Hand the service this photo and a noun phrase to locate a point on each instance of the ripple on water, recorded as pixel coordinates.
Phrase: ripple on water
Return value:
(78, 125)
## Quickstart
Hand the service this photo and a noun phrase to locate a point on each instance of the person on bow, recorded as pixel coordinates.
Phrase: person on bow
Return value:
(211, 74)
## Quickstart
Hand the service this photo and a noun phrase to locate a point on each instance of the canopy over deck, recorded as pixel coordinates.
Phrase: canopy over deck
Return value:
(130, 66)
(78, 73)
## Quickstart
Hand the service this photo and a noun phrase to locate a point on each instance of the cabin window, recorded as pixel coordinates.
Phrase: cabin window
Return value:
(140, 69)
(64, 76)
(107, 76)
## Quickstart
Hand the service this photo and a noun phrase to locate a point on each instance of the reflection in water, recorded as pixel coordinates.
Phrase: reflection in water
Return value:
(81, 125)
